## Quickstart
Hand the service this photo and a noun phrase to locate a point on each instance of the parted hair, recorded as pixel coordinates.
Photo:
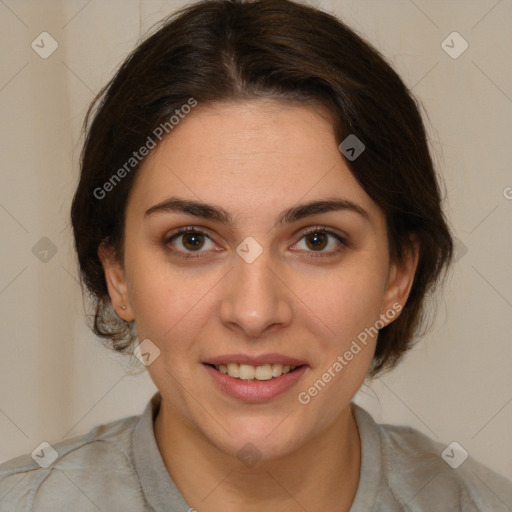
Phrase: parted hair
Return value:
(239, 50)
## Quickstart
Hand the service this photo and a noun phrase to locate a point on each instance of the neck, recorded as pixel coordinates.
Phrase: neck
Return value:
(323, 474)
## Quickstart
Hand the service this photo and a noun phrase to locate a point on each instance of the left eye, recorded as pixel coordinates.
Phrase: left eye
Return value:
(318, 240)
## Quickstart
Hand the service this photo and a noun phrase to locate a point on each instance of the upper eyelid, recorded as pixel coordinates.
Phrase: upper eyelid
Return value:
(188, 229)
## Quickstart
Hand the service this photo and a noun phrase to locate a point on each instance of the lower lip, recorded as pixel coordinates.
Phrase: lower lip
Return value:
(256, 390)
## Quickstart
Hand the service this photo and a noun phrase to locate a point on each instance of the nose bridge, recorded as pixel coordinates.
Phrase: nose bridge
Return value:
(255, 298)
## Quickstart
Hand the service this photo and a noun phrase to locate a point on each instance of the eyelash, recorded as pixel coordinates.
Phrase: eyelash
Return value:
(312, 254)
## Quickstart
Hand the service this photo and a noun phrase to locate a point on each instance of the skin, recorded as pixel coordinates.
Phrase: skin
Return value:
(255, 159)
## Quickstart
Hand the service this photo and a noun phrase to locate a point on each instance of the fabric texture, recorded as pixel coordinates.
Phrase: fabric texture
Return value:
(117, 467)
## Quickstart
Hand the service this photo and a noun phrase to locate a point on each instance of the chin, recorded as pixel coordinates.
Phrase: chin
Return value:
(263, 439)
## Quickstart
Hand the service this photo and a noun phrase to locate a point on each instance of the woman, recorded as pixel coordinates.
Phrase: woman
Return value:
(258, 206)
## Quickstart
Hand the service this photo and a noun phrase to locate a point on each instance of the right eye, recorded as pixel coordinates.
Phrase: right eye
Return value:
(187, 241)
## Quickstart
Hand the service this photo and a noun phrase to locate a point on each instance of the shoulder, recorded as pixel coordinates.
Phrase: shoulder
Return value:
(75, 473)
(422, 474)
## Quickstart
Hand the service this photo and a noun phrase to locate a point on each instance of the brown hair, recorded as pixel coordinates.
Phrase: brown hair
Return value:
(225, 50)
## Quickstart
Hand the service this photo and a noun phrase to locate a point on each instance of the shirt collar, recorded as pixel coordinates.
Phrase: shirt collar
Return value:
(158, 487)
(371, 461)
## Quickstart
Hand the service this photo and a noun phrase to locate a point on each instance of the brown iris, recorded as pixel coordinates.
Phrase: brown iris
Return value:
(193, 241)
(320, 240)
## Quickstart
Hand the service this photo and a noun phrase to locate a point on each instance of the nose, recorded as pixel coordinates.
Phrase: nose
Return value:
(255, 298)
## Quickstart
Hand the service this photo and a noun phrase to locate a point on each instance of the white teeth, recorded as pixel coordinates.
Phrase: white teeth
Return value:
(246, 372)
(249, 372)
(277, 370)
(233, 370)
(263, 372)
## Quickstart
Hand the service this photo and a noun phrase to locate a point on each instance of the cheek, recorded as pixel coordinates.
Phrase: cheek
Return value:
(349, 307)
(156, 296)
(348, 299)
(169, 304)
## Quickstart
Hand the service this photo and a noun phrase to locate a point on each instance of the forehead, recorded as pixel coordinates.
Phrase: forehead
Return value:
(249, 157)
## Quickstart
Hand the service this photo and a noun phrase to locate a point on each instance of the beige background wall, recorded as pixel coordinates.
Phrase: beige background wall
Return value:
(55, 378)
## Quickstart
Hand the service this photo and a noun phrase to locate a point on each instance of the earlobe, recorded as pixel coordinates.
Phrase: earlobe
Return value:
(116, 282)
(401, 278)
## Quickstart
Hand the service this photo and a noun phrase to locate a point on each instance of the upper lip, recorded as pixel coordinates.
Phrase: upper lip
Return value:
(254, 360)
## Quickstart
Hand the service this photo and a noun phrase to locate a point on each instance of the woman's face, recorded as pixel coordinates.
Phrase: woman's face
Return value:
(249, 283)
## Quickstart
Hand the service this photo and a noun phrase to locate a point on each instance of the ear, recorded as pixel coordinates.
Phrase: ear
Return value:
(400, 280)
(116, 282)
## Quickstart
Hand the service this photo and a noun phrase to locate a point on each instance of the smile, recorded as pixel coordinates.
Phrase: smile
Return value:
(255, 383)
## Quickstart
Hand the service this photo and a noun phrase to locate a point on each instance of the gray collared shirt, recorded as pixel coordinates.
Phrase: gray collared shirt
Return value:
(118, 467)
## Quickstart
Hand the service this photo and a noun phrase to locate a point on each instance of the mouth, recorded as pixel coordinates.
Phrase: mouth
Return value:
(249, 372)
(255, 384)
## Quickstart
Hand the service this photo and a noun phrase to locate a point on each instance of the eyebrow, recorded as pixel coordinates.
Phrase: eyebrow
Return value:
(293, 214)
